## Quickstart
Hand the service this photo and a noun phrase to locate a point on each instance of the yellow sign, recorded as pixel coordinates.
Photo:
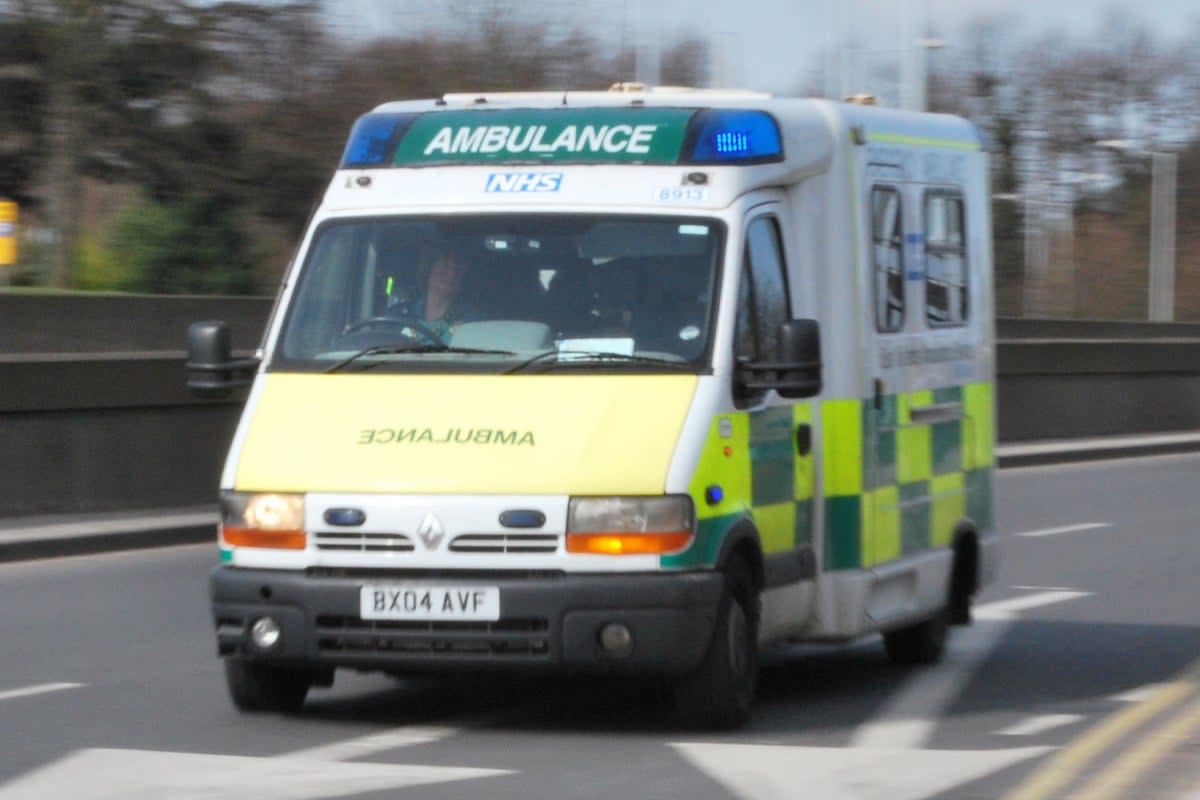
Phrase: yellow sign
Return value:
(8, 233)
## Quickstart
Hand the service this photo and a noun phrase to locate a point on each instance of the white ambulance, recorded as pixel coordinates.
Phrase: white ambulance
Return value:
(632, 382)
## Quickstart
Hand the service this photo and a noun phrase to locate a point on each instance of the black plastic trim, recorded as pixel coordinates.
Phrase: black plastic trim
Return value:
(793, 566)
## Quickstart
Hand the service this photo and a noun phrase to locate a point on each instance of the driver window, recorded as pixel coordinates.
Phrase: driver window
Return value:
(762, 295)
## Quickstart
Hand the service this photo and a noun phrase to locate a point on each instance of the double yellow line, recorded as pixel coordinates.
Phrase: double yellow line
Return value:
(1128, 764)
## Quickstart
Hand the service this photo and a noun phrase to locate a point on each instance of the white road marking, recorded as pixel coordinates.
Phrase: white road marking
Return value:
(1082, 526)
(908, 720)
(1139, 694)
(1008, 609)
(374, 743)
(1041, 724)
(771, 772)
(98, 774)
(1043, 588)
(41, 688)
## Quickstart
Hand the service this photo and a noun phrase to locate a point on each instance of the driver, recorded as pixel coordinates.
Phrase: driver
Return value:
(440, 309)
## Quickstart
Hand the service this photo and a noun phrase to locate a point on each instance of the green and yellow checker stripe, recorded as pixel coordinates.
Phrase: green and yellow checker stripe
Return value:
(752, 458)
(897, 486)
(892, 486)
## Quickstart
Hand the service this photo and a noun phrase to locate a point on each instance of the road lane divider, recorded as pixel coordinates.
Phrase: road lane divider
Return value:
(1087, 751)
(1078, 528)
(1137, 695)
(1112, 781)
(1008, 609)
(1040, 724)
(372, 743)
(41, 688)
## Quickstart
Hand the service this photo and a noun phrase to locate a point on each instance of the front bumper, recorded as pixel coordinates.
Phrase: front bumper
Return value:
(548, 622)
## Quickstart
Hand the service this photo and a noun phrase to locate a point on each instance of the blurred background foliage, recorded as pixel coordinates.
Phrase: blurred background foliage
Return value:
(180, 145)
(176, 146)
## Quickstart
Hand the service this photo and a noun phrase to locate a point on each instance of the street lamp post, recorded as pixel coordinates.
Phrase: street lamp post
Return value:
(1164, 169)
(914, 57)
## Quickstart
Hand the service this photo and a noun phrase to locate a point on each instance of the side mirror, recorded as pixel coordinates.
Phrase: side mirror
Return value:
(797, 373)
(212, 370)
(800, 345)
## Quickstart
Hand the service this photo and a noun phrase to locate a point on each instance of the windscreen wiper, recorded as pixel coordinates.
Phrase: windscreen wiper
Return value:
(388, 349)
(549, 360)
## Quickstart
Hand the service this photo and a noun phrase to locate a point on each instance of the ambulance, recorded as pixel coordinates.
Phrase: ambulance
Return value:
(721, 377)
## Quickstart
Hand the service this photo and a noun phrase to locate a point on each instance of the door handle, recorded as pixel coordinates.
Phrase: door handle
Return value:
(803, 439)
(937, 412)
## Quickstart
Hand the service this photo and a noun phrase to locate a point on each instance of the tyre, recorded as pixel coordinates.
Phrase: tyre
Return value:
(261, 687)
(922, 643)
(719, 693)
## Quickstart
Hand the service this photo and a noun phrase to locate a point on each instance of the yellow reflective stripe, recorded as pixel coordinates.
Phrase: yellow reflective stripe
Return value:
(776, 525)
(731, 472)
(914, 443)
(805, 478)
(883, 541)
(978, 426)
(842, 443)
(948, 507)
(893, 138)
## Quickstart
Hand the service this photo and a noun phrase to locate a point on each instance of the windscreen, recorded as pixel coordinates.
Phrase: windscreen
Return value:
(505, 293)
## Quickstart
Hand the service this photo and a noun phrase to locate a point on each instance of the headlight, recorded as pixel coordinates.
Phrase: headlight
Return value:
(629, 525)
(263, 520)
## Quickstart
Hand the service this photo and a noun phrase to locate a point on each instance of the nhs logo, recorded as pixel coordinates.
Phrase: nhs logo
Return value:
(524, 182)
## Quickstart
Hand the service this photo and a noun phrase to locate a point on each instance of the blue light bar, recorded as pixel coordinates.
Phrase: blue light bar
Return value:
(373, 139)
(735, 136)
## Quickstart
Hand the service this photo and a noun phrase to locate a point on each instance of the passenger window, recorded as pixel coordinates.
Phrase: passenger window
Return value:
(946, 268)
(887, 237)
(762, 296)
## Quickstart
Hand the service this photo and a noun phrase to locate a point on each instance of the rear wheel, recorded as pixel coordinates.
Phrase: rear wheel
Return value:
(720, 692)
(262, 687)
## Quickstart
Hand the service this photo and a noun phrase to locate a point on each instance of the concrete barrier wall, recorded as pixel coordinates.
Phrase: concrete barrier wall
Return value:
(103, 432)
(1068, 388)
(94, 414)
(119, 323)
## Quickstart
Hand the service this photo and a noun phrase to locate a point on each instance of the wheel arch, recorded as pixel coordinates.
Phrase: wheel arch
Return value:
(742, 540)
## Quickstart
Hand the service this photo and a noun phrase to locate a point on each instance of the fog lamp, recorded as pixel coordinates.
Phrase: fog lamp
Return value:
(616, 639)
(265, 633)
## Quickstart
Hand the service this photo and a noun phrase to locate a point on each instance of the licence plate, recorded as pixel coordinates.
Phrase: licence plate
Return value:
(434, 603)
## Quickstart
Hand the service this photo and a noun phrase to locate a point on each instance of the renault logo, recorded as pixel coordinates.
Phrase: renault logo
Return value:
(431, 532)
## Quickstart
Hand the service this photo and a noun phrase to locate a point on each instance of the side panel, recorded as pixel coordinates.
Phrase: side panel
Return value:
(910, 458)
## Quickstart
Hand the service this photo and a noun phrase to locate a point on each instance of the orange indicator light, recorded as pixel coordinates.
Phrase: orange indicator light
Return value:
(254, 537)
(628, 544)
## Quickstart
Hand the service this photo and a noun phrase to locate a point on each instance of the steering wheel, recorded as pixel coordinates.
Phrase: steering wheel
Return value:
(396, 322)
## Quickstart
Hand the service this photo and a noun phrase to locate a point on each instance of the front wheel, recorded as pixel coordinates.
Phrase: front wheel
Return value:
(261, 687)
(720, 692)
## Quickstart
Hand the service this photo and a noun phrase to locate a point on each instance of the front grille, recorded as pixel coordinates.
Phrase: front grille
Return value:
(360, 542)
(505, 543)
(517, 639)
